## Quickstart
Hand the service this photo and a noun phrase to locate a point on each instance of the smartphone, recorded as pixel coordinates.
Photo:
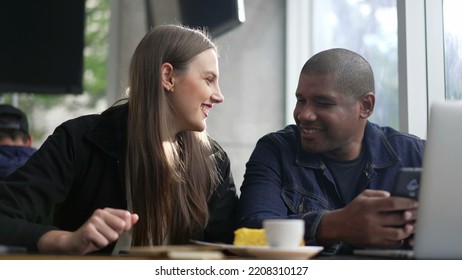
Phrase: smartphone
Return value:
(407, 182)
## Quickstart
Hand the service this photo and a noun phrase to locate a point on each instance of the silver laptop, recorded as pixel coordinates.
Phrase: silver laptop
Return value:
(438, 232)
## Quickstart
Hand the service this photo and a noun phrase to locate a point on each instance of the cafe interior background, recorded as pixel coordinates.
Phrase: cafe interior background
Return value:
(414, 47)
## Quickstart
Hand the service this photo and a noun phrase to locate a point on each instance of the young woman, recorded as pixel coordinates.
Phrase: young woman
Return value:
(144, 170)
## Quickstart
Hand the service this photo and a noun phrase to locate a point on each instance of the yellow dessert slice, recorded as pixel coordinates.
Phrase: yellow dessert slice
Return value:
(250, 237)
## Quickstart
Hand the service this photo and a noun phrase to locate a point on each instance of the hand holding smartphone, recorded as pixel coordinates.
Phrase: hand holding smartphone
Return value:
(407, 183)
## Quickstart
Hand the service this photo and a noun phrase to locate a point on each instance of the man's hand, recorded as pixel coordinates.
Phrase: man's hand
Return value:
(372, 219)
(100, 230)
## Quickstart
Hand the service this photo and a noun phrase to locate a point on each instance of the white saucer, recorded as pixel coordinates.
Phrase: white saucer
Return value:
(266, 252)
(298, 253)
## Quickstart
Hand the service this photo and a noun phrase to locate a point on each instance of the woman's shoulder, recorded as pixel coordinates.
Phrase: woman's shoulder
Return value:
(108, 119)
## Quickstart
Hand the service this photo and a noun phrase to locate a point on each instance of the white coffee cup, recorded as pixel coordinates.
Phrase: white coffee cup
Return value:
(284, 232)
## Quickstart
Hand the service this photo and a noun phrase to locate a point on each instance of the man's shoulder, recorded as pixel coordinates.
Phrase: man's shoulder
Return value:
(393, 135)
(285, 140)
(386, 140)
(16, 151)
(290, 132)
(387, 146)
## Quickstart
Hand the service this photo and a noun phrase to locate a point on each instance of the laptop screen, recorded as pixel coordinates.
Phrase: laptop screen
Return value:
(439, 218)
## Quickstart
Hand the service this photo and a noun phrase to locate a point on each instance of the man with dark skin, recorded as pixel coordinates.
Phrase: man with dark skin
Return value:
(333, 168)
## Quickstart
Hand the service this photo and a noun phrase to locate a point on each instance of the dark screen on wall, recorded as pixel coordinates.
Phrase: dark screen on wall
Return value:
(41, 45)
(218, 16)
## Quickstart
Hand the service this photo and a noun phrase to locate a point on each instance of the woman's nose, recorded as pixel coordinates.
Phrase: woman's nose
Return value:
(217, 96)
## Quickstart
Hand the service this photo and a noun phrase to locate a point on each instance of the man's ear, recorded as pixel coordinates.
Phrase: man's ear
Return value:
(29, 141)
(167, 73)
(367, 105)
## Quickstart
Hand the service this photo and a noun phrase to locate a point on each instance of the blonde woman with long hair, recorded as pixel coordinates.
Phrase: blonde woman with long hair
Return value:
(142, 173)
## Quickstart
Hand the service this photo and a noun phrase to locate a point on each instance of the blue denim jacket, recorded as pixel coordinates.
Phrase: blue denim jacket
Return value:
(283, 181)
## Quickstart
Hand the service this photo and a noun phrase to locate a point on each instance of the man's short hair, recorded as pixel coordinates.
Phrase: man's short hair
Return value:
(353, 74)
(13, 123)
(13, 118)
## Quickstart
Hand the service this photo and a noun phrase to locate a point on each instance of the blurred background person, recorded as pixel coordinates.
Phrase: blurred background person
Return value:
(15, 140)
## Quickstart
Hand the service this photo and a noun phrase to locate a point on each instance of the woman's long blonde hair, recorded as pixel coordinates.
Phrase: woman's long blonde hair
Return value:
(170, 181)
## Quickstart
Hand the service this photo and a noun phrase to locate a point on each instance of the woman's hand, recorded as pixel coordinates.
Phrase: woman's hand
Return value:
(100, 230)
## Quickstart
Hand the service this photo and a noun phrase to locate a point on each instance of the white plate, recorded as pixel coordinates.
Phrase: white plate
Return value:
(175, 252)
(266, 252)
(298, 253)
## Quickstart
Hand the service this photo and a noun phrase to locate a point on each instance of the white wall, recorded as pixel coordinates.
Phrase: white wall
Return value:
(252, 68)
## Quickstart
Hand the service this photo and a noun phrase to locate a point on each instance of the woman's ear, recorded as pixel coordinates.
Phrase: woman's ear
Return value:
(367, 105)
(167, 73)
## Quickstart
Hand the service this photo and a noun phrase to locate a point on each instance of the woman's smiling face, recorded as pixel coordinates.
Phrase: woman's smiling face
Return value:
(195, 91)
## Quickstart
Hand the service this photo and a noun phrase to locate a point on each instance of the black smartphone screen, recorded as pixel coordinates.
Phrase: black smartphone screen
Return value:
(407, 183)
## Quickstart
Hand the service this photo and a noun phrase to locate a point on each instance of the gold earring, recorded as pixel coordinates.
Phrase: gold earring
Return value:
(171, 89)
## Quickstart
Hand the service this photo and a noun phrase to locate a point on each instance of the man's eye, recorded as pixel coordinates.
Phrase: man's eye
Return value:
(325, 104)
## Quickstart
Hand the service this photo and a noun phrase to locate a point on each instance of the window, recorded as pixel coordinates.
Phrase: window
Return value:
(452, 49)
(366, 27)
